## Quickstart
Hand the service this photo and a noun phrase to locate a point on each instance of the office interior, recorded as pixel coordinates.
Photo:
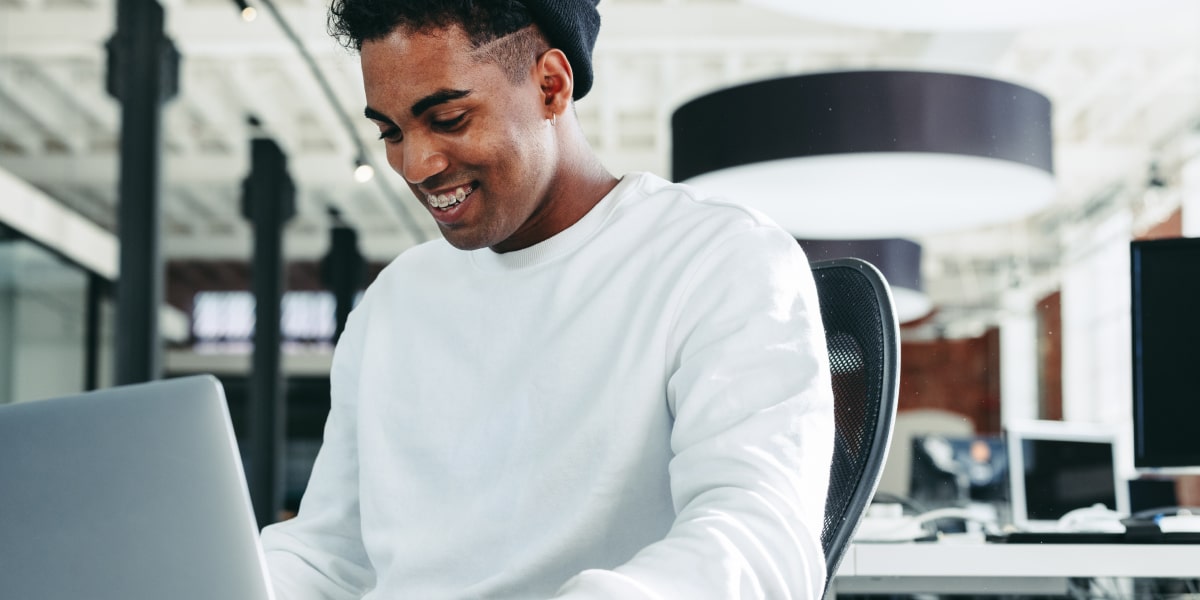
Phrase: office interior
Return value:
(1028, 318)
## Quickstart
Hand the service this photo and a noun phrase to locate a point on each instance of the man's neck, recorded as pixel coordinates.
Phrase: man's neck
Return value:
(579, 182)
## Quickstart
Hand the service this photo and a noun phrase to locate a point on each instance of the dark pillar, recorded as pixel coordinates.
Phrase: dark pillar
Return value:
(8, 323)
(142, 74)
(97, 288)
(342, 271)
(268, 201)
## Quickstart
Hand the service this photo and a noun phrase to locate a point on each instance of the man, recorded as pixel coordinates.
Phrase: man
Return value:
(592, 388)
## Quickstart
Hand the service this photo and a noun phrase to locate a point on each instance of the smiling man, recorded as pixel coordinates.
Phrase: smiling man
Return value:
(592, 387)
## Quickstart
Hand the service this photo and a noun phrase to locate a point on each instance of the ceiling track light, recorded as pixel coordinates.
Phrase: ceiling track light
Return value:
(249, 13)
(363, 171)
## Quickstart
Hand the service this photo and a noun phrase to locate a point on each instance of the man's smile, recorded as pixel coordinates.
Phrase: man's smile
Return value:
(447, 199)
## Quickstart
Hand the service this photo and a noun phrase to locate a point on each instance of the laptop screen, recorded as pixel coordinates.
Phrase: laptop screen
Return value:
(1060, 467)
(127, 493)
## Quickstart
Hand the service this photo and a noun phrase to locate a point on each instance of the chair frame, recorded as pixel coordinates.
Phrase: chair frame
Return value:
(889, 368)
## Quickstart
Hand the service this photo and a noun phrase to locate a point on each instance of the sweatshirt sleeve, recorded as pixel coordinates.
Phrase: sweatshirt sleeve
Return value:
(319, 554)
(752, 438)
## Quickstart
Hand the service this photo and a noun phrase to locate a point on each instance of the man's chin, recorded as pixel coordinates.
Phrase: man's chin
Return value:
(461, 241)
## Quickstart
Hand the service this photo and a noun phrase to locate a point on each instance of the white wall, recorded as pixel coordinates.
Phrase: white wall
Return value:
(1097, 383)
(1097, 354)
(1190, 188)
(1019, 359)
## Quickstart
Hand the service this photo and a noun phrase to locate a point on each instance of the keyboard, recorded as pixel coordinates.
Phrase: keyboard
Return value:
(1133, 536)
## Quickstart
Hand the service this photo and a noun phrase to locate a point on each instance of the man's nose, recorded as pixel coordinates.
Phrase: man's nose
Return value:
(420, 159)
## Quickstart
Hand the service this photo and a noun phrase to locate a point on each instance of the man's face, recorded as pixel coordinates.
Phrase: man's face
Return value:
(475, 148)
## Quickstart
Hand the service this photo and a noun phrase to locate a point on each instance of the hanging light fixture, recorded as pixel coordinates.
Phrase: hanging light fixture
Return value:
(871, 154)
(956, 15)
(898, 259)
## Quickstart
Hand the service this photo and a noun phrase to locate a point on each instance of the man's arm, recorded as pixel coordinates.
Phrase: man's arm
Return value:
(752, 438)
(319, 554)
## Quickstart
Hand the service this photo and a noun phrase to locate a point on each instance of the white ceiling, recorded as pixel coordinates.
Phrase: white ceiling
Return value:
(1125, 87)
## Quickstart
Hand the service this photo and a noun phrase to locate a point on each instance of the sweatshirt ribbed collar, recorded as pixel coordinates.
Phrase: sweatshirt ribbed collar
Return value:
(561, 243)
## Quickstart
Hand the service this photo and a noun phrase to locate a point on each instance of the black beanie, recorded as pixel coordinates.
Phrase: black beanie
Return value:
(571, 26)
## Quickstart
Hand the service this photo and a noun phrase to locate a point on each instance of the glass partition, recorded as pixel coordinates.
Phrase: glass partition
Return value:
(44, 350)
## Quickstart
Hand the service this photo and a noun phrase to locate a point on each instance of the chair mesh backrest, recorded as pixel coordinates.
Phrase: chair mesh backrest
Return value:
(861, 332)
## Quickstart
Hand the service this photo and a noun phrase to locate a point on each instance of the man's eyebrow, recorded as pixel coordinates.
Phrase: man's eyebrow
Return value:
(422, 105)
(375, 115)
(436, 98)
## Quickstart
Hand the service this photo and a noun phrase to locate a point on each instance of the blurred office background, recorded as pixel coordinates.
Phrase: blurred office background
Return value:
(1026, 318)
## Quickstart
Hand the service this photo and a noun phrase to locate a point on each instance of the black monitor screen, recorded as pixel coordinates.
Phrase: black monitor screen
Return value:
(1165, 278)
(1061, 476)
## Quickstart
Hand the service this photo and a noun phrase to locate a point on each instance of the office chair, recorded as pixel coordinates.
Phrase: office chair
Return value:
(864, 355)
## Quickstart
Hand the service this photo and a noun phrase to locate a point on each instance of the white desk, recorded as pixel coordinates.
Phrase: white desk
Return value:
(981, 568)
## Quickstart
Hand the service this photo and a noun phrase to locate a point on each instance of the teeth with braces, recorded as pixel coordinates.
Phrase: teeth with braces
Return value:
(448, 199)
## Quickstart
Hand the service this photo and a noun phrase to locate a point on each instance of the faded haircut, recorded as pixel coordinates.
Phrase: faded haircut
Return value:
(515, 53)
(502, 31)
(353, 22)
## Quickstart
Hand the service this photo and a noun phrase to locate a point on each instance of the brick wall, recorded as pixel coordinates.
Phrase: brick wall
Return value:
(1049, 328)
(959, 375)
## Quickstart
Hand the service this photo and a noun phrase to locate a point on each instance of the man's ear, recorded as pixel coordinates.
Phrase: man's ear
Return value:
(557, 81)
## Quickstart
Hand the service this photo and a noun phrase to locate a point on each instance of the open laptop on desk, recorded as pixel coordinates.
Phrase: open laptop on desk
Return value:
(1067, 487)
(129, 493)
(1064, 478)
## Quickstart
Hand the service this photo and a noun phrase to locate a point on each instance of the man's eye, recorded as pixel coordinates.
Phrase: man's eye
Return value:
(448, 124)
(391, 134)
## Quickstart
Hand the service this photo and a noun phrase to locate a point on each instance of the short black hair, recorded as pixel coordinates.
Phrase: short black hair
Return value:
(353, 22)
(569, 25)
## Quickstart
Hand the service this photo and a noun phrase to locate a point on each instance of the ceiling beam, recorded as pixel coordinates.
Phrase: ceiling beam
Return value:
(1179, 73)
(252, 92)
(75, 81)
(216, 30)
(306, 86)
(224, 120)
(200, 206)
(177, 129)
(18, 83)
(93, 203)
(1075, 102)
(19, 131)
(45, 220)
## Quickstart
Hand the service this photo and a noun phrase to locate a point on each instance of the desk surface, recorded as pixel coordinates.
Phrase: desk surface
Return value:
(979, 559)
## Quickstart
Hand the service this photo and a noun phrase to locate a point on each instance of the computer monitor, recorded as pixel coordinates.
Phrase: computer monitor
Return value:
(1056, 467)
(1165, 284)
(956, 470)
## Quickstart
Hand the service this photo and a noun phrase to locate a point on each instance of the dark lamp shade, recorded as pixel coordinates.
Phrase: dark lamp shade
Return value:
(871, 154)
(953, 15)
(898, 259)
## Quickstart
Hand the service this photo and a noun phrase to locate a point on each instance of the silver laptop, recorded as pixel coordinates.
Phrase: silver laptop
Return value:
(129, 493)
(1065, 476)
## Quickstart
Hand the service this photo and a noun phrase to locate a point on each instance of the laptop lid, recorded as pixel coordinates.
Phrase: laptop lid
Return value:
(1056, 467)
(127, 493)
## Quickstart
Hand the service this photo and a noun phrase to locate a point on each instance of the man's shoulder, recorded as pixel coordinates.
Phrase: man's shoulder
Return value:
(692, 209)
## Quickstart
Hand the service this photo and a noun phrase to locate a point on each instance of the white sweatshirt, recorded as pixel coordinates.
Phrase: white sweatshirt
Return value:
(639, 407)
